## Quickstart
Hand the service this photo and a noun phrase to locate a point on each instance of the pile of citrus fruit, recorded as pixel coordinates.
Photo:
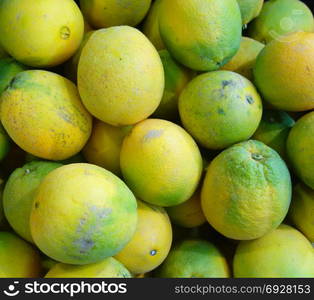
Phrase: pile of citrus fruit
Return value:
(162, 138)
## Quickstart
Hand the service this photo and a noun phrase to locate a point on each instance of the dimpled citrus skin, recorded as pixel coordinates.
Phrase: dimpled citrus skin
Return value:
(220, 108)
(151, 242)
(17, 258)
(107, 13)
(128, 83)
(244, 61)
(19, 193)
(279, 18)
(160, 162)
(250, 9)
(302, 210)
(44, 33)
(283, 252)
(247, 191)
(194, 259)
(107, 268)
(274, 129)
(288, 64)
(9, 67)
(151, 26)
(176, 78)
(300, 148)
(82, 214)
(189, 214)
(43, 114)
(103, 147)
(201, 34)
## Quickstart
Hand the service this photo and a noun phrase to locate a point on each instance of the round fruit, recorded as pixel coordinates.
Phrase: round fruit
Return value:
(4, 143)
(160, 162)
(279, 18)
(8, 69)
(243, 62)
(288, 64)
(194, 259)
(189, 214)
(107, 13)
(274, 130)
(220, 108)
(247, 191)
(18, 259)
(201, 34)
(284, 252)
(250, 9)
(302, 210)
(151, 26)
(43, 114)
(176, 78)
(104, 146)
(71, 66)
(300, 148)
(19, 193)
(107, 268)
(151, 242)
(44, 33)
(127, 84)
(2, 217)
(82, 214)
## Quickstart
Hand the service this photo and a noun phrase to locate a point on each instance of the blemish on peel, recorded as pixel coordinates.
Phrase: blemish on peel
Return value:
(65, 32)
(154, 133)
(249, 99)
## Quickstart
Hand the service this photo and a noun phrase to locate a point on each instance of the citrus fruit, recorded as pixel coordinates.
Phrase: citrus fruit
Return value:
(43, 114)
(127, 85)
(300, 148)
(106, 268)
(244, 61)
(19, 193)
(288, 64)
(4, 143)
(17, 258)
(176, 78)
(160, 162)
(2, 217)
(247, 191)
(279, 18)
(188, 214)
(104, 146)
(8, 69)
(44, 33)
(82, 214)
(107, 13)
(47, 263)
(70, 67)
(201, 34)
(220, 108)
(302, 210)
(274, 130)
(283, 252)
(151, 242)
(250, 9)
(151, 26)
(194, 258)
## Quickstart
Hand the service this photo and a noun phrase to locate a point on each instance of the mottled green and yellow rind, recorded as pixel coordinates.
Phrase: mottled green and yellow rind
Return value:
(194, 259)
(202, 35)
(247, 191)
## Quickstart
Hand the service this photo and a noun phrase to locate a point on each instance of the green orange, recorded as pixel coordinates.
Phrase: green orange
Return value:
(247, 191)
(300, 148)
(82, 214)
